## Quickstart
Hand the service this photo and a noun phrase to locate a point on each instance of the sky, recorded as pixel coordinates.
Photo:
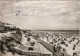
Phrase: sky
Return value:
(41, 15)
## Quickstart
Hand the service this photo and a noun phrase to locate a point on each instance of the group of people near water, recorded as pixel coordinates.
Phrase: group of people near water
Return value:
(60, 42)
(64, 42)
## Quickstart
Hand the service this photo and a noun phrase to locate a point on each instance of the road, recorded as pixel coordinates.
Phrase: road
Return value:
(50, 48)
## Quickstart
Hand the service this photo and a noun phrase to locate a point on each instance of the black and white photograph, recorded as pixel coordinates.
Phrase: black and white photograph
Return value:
(39, 28)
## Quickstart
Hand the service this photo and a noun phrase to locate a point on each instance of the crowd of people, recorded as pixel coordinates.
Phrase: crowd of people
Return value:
(64, 42)
(68, 43)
